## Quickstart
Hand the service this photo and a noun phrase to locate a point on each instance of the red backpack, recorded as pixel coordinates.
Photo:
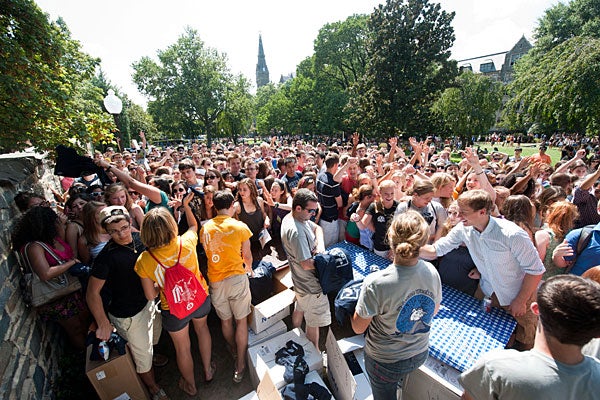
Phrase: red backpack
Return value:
(184, 293)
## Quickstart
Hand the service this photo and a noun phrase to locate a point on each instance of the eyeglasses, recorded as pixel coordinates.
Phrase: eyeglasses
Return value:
(210, 177)
(97, 194)
(429, 170)
(118, 231)
(312, 210)
(180, 190)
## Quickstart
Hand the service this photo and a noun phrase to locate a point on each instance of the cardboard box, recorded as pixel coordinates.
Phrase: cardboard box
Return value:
(270, 311)
(115, 378)
(266, 390)
(261, 358)
(275, 330)
(346, 371)
(434, 380)
(282, 279)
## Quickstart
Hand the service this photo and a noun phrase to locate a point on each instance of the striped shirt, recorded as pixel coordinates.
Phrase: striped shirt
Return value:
(503, 254)
(327, 191)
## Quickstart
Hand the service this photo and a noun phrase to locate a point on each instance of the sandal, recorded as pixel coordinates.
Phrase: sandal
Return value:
(213, 371)
(238, 376)
(183, 385)
(160, 395)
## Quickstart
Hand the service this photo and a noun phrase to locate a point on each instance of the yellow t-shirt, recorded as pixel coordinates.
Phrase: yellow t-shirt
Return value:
(222, 238)
(147, 267)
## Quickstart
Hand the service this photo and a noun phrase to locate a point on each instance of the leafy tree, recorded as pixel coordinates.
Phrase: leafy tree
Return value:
(559, 88)
(187, 88)
(469, 107)
(275, 114)
(563, 22)
(236, 116)
(340, 51)
(408, 66)
(45, 94)
(140, 120)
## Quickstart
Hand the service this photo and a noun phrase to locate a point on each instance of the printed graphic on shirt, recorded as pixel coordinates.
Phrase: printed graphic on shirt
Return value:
(416, 313)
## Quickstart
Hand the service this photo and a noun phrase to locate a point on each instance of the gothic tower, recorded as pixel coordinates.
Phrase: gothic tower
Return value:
(262, 72)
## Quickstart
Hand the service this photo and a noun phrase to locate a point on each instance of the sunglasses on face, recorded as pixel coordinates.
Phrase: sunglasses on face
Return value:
(210, 177)
(133, 193)
(97, 194)
(312, 210)
(179, 190)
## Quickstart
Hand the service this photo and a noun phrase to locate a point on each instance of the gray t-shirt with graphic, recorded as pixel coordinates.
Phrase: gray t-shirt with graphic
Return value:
(402, 301)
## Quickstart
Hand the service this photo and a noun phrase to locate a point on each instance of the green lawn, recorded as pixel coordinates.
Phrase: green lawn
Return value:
(528, 149)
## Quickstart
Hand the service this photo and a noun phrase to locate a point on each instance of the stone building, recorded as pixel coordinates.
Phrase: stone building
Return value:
(488, 64)
(262, 72)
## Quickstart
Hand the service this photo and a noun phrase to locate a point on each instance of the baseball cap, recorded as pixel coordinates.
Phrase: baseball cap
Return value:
(110, 214)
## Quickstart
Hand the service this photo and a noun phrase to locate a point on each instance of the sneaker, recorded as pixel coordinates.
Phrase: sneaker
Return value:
(159, 360)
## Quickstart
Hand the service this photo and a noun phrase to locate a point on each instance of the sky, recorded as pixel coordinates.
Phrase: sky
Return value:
(121, 32)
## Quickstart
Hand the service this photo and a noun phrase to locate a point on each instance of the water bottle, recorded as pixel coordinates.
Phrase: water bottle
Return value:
(103, 350)
(486, 304)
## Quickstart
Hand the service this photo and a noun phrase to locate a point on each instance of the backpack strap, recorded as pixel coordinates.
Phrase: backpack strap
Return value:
(161, 264)
(584, 239)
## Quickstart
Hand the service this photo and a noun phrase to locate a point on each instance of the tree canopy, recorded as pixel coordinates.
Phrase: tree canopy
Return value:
(560, 89)
(408, 66)
(188, 87)
(469, 107)
(46, 97)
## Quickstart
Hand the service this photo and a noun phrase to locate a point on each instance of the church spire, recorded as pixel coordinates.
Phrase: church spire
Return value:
(262, 72)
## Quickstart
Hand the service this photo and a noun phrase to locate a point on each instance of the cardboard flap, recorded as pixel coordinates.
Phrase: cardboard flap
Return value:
(275, 303)
(343, 384)
(266, 389)
(347, 345)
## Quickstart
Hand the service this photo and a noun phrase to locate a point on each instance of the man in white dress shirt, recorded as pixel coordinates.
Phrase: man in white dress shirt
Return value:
(510, 266)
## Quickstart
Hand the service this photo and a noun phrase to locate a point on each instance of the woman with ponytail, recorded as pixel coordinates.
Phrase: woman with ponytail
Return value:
(397, 304)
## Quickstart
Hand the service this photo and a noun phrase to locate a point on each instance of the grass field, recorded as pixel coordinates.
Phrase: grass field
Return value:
(528, 149)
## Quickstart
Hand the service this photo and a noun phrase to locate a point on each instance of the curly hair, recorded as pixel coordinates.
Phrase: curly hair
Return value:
(37, 224)
(561, 218)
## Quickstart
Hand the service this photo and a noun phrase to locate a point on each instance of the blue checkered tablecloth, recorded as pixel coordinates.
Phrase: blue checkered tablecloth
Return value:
(461, 331)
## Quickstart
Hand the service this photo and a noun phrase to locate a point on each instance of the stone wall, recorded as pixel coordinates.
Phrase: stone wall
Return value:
(29, 349)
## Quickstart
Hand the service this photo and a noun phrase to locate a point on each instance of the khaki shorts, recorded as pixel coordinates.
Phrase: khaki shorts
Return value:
(141, 331)
(315, 308)
(231, 297)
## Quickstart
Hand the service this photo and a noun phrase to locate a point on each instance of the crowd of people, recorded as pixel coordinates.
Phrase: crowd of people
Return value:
(493, 225)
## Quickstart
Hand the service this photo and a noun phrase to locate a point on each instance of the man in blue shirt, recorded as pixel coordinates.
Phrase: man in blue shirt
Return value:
(564, 254)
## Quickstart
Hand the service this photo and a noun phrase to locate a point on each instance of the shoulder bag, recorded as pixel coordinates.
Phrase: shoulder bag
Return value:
(37, 292)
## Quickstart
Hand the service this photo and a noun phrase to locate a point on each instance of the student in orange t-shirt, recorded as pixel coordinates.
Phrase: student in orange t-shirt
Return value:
(227, 244)
(542, 156)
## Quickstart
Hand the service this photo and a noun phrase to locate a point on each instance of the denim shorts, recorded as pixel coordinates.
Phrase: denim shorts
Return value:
(173, 324)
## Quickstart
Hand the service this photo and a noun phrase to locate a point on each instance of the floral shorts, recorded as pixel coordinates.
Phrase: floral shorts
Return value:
(62, 309)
